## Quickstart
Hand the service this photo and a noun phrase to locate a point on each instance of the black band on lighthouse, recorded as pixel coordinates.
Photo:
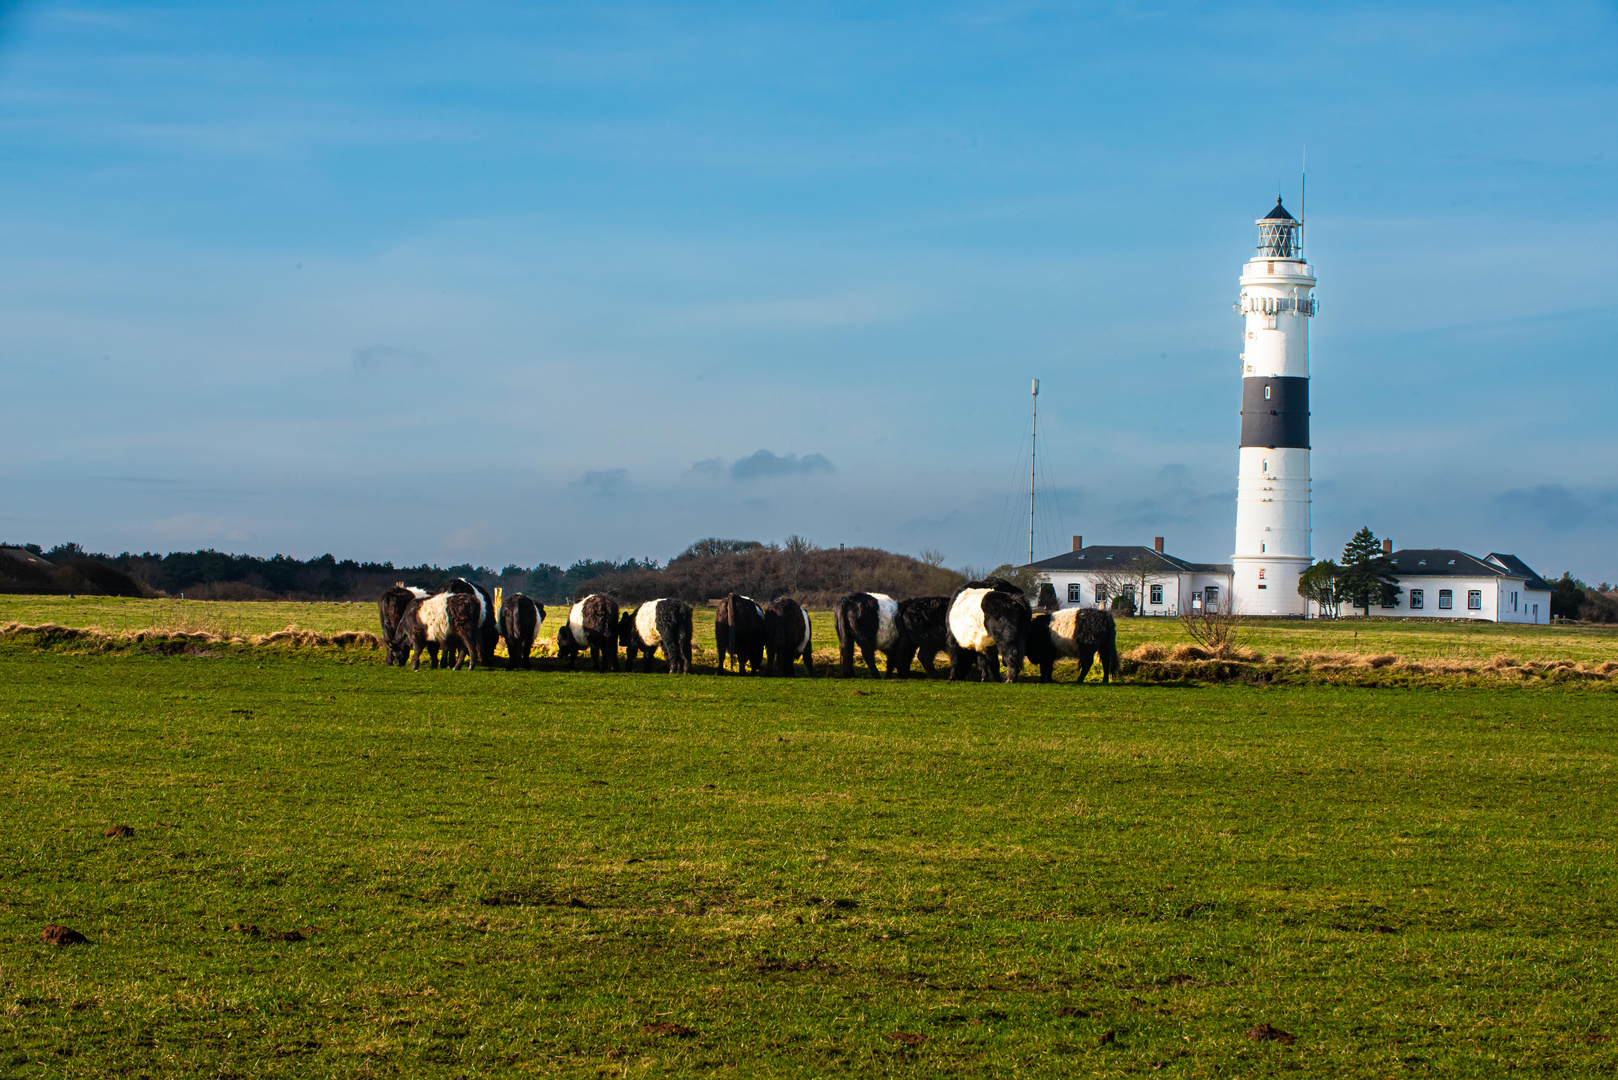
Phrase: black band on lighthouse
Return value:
(1275, 411)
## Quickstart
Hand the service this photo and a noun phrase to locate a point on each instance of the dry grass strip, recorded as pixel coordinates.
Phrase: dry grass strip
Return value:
(173, 639)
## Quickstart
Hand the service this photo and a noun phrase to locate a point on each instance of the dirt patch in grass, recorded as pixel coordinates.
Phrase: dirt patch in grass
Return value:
(61, 935)
(266, 934)
(1270, 1033)
(118, 830)
(668, 1030)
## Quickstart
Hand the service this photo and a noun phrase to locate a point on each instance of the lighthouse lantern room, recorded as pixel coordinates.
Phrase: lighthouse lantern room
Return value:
(1273, 493)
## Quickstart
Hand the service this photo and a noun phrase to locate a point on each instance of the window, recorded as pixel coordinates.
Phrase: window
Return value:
(1157, 594)
(1073, 596)
(1446, 599)
(1474, 599)
(1513, 601)
(1101, 595)
(1417, 599)
(1210, 596)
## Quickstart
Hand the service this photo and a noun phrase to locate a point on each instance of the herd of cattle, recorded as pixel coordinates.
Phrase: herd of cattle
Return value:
(981, 625)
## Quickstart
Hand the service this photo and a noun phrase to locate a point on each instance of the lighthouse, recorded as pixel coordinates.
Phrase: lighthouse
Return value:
(1273, 522)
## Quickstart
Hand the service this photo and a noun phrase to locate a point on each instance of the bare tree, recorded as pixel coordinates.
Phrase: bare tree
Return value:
(1130, 578)
(796, 549)
(1025, 578)
(1214, 625)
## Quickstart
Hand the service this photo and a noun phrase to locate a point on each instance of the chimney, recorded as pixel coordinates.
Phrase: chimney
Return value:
(1387, 547)
(1078, 542)
(1157, 544)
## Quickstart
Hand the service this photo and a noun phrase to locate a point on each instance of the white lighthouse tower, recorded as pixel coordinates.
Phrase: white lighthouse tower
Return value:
(1273, 523)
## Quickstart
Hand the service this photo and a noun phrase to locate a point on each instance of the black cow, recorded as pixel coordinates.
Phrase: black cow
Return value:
(738, 630)
(869, 622)
(1080, 633)
(923, 633)
(988, 620)
(664, 623)
(519, 625)
(391, 608)
(787, 637)
(566, 648)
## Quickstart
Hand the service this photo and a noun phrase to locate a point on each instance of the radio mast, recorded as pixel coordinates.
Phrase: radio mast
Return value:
(1033, 450)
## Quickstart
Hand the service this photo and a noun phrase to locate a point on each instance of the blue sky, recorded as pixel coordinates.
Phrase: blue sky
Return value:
(520, 283)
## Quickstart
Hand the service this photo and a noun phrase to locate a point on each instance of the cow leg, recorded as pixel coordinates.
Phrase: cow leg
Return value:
(870, 660)
(1086, 658)
(415, 661)
(989, 664)
(1013, 661)
(808, 661)
(959, 658)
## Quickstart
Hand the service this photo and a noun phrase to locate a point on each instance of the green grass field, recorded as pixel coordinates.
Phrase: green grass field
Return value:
(500, 873)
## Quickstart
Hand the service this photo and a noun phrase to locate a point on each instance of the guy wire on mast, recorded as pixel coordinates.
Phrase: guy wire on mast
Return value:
(1033, 456)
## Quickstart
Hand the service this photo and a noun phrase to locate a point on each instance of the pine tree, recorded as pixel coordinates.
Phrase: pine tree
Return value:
(1367, 574)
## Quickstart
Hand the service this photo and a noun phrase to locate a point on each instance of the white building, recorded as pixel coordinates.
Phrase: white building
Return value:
(1163, 584)
(1273, 523)
(1443, 584)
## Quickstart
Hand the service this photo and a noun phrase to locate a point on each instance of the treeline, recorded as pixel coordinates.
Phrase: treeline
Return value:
(706, 569)
(1573, 599)
(815, 576)
(216, 575)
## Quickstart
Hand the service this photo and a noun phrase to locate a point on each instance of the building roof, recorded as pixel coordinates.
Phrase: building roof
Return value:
(1279, 213)
(1444, 562)
(1517, 567)
(1103, 558)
